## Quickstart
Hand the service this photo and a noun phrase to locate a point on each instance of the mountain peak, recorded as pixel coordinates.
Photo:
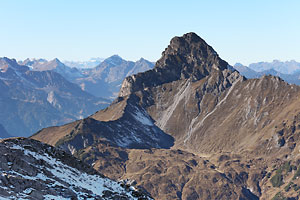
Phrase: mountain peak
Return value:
(6, 63)
(192, 50)
(186, 57)
(141, 59)
(57, 61)
(114, 57)
(111, 61)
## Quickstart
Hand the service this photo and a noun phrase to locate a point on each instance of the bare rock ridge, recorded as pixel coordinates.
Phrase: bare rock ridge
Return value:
(230, 137)
(30, 169)
(133, 129)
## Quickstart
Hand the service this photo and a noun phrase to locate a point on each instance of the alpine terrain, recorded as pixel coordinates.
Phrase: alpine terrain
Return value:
(32, 170)
(194, 128)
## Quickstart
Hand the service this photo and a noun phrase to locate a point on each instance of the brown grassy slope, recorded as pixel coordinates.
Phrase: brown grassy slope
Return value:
(242, 118)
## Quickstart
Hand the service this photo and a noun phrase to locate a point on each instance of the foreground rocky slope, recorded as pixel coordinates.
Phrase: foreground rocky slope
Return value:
(247, 130)
(32, 170)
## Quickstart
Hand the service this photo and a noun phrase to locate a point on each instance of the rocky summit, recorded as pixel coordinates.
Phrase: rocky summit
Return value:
(194, 128)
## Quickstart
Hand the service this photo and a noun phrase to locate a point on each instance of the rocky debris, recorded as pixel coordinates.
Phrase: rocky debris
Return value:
(33, 170)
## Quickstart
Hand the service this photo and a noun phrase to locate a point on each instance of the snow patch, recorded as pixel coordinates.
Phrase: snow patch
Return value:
(142, 117)
(72, 176)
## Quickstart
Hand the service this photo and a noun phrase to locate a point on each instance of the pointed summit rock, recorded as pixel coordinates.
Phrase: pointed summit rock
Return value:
(190, 53)
(187, 57)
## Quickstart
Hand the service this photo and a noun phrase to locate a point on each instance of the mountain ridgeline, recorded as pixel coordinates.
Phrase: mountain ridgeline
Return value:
(194, 128)
(31, 100)
(103, 80)
(289, 71)
(38, 93)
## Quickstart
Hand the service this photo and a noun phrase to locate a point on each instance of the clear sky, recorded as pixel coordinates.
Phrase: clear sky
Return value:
(243, 31)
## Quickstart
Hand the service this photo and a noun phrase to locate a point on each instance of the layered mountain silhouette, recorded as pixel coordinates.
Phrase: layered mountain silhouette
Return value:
(91, 63)
(103, 80)
(288, 71)
(215, 134)
(31, 100)
(54, 65)
(288, 67)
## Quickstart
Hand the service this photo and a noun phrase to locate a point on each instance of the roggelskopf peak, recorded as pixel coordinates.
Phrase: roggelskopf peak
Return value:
(194, 128)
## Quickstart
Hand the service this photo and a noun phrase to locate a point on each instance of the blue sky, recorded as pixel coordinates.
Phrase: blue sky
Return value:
(243, 31)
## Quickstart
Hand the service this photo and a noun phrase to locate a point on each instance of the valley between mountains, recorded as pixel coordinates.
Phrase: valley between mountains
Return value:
(193, 128)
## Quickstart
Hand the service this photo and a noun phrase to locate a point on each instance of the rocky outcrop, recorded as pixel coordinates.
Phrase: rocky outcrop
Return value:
(32, 170)
(187, 57)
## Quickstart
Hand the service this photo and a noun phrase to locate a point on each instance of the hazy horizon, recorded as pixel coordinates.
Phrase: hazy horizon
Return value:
(102, 58)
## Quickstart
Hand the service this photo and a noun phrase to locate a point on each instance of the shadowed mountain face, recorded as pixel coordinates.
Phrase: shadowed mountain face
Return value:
(31, 100)
(245, 129)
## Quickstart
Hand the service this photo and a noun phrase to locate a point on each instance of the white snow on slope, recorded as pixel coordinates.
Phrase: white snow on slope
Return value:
(64, 173)
(143, 117)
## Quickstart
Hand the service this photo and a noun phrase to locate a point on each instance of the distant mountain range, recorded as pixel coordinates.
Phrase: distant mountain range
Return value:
(288, 71)
(91, 63)
(53, 65)
(36, 93)
(288, 67)
(31, 100)
(103, 80)
(106, 78)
